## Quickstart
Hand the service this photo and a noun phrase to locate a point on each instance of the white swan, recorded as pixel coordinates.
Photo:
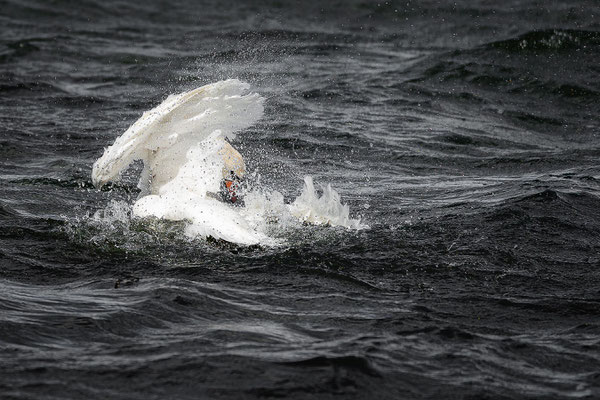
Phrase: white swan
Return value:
(182, 143)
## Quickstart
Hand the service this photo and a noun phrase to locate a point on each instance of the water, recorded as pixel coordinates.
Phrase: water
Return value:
(463, 134)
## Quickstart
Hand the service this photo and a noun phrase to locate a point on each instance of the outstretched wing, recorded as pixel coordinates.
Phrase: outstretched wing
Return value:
(187, 117)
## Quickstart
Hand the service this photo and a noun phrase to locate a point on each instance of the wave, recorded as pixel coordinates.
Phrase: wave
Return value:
(550, 40)
(35, 86)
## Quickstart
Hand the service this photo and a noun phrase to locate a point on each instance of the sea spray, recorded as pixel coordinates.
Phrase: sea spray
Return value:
(326, 209)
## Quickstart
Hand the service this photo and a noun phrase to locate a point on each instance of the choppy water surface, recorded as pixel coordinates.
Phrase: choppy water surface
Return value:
(464, 134)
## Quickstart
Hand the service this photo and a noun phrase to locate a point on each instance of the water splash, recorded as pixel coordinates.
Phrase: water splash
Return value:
(326, 209)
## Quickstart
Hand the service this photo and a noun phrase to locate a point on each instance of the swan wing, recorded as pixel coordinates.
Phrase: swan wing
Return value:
(184, 120)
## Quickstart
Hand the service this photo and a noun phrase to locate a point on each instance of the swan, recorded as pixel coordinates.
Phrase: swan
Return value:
(184, 144)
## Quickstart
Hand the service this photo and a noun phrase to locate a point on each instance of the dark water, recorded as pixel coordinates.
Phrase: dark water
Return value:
(464, 133)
